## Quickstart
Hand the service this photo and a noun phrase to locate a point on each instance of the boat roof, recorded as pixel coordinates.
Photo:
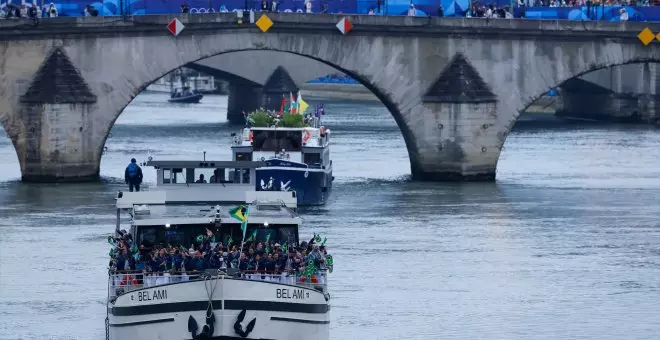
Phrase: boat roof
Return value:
(163, 214)
(162, 163)
(284, 128)
(192, 195)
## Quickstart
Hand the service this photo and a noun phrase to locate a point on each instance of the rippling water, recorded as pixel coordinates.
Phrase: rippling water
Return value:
(566, 244)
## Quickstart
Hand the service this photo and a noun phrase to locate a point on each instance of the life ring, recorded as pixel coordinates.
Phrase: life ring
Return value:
(307, 136)
(127, 279)
(250, 136)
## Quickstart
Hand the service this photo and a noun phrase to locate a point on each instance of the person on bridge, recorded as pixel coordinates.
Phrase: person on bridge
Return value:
(133, 176)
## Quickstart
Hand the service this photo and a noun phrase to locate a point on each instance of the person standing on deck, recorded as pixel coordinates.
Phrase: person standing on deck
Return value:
(133, 176)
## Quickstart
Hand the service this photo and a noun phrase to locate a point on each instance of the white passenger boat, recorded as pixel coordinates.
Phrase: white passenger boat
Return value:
(221, 303)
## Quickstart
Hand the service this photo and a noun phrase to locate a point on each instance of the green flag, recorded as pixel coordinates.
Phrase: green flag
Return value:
(309, 269)
(251, 238)
(329, 262)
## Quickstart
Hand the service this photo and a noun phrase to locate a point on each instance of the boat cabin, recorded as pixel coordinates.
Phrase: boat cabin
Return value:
(308, 146)
(185, 173)
(167, 217)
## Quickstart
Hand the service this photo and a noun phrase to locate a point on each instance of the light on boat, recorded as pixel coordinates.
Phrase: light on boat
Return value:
(167, 225)
(265, 224)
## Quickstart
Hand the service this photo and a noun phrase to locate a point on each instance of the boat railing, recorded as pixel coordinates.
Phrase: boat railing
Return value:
(129, 280)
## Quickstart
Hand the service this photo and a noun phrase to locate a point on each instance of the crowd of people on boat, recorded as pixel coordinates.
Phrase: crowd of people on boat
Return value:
(308, 261)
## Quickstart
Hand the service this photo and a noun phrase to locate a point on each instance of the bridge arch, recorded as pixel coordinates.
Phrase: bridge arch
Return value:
(562, 79)
(592, 68)
(361, 78)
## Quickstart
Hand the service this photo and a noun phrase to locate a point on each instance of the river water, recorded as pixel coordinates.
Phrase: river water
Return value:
(565, 245)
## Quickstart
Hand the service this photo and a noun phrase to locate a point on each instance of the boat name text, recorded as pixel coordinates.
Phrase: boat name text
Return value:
(285, 293)
(158, 294)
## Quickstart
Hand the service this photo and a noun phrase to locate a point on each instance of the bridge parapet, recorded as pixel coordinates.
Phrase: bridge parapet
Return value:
(317, 23)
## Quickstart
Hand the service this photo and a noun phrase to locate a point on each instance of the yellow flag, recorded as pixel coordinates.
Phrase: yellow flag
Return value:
(302, 105)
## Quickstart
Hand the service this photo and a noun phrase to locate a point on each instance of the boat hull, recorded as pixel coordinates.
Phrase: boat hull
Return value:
(312, 186)
(280, 311)
(194, 99)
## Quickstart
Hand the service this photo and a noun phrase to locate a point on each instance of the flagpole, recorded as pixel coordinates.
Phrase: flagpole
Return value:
(240, 255)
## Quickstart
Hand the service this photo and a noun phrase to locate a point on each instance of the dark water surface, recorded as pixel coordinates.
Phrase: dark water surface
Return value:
(565, 245)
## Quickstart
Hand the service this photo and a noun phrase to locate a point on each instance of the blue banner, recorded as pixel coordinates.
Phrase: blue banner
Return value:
(379, 7)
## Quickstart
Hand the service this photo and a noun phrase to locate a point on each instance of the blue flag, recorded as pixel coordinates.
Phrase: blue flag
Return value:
(318, 110)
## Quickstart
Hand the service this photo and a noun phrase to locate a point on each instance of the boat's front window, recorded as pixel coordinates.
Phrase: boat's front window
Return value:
(312, 158)
(269, 140)
(186, 234)
(244, 156)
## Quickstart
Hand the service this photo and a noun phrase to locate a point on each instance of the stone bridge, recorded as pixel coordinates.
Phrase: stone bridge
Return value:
(454, 86)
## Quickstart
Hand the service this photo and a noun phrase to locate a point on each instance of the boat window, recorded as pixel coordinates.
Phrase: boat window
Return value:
(312, 158)
(244, 156)
(268, 140)
(185, 235)
(279, 233)
(166, 176)
(178, 176)
(176, 235)
(203, 175)
(246, 175)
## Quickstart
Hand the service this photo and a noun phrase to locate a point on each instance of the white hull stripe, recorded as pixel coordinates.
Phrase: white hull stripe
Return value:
(276, 318)
(229, 304)
(141, 322)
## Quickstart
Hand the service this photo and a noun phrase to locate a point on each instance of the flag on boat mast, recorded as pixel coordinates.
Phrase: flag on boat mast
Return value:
(241, 213)
(318, 111)
(302, 105)
(294, 104)
(282, 105)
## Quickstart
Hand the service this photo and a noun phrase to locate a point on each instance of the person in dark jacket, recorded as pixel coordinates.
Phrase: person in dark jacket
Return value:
(133, 176)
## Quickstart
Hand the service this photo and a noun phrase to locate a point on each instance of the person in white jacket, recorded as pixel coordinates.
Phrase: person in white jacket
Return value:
(411, 10)
(52, 11)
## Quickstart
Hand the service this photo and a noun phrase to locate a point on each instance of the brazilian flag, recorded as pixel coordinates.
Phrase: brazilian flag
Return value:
(241, 214)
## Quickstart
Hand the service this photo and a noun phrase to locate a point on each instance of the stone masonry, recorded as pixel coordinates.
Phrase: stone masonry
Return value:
(455, 86)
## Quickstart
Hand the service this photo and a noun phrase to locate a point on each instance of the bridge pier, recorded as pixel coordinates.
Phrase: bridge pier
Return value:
(53, 129)
(242, 98)
(460, 141)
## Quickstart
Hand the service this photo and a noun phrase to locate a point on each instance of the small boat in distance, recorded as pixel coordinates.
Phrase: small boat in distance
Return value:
(185, 95)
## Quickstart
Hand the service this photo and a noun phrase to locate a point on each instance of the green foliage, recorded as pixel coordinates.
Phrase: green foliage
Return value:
(260, 119)
(293, 121)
